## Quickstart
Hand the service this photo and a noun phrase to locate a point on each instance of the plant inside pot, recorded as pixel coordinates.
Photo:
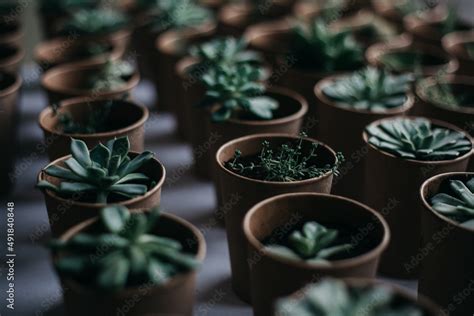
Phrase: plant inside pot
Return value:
(461, 46)
(261, 166)
(448, 223)
(346, 297)
(108, 173)
(328, 236)
(354, 100)
(408, 151)
(93, 122)
(124, 254)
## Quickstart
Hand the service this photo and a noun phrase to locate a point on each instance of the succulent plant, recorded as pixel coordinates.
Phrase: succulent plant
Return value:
(67, 6)
(122, 253)
(105, 173)
(235, 91)
(370, 89)
(442, 93)
(287, 163)
(112, 75)
(318, 48)
(416, 138)
(313, 244)
(334, 297)
(457, 203)
(94, 22)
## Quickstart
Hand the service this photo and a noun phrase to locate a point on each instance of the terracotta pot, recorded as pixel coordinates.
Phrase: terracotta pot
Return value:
(308, 10)
(175, 297)
(402, 296)
(11, 58)
(454, 43)
(65, 213)
(273, 277)
(392, 186)
(214, 5)
(128, 119)
(9, 114)
(272, 9)
(11, 34)
(171, 46)
(209, 136)
(449, 258)
(67, 81)
(375, 53)
(331, 117)
(238, 194)
(235, 18)
(63, 50)
(387, 10)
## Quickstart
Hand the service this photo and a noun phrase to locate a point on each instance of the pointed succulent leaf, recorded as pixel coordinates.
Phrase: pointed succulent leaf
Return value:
(100, 154)
(80, 152)
(115, 217)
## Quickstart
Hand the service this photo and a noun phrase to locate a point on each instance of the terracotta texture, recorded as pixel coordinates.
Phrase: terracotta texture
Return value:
(331, 117)
(235, 18)
(273, 277)
(65, 213)
(238, 194)
(131, 116)
(454, 43)
(449, 258)
(11, 58)
(11, 33)
(392, 186)
(66, 81)
(176, 297)
(388, 11)
(10, 85)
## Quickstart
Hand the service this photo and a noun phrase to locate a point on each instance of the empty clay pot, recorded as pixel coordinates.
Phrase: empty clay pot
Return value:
(126, 117)
(331, 117)
(68, 81)
(448, 259)
(392, 186)
(11, 58)
(455, 44)
(65, 213)
(238, 194)
(273, 276)
(175, 297)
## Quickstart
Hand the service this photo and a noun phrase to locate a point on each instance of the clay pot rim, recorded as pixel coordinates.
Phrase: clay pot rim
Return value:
(76, 68)
(386, 10)
(434, 122)
(458, 38)
(428, 18)
(15, 86)
(173, 282)
(157, 187)
(280, 26)
(221, 166)
(233, 13)
(85, 101)
(335, 264)
(451, 79)
(15, 35)
(424, 189)
(318, 91)
(14, 58)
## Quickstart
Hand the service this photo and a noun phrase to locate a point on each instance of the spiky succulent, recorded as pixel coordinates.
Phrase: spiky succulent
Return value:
(416, 138)
(318, 48)
(123, 253)
(111, 76)
(287, 163)
(410, 60)
(94, 22)
(457, 203)
(67, 6)
(443, 94)
(371, 89)
(235, 92)
(104, 174)
(334, 297)
(313, 244)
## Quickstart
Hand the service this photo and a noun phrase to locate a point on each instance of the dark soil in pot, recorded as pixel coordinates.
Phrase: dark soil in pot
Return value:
(392, 186)
(239, 193)
(449, 258)
(10, 58)
(287, 211)
(174, 297)
(93, 122)
(63, 213)
(460, 45)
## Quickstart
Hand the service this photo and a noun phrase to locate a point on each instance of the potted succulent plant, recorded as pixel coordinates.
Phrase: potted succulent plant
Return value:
(282, 217)
(11, 58)
(405, 55)
(354, 100)
(345, 297)
(460, 45)
(113, 79)
(9, 91)
(146, 258)
(77, 186)
(448, 230)
(259, 166)
(402, 154)
(92, 121)
(63, 50)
